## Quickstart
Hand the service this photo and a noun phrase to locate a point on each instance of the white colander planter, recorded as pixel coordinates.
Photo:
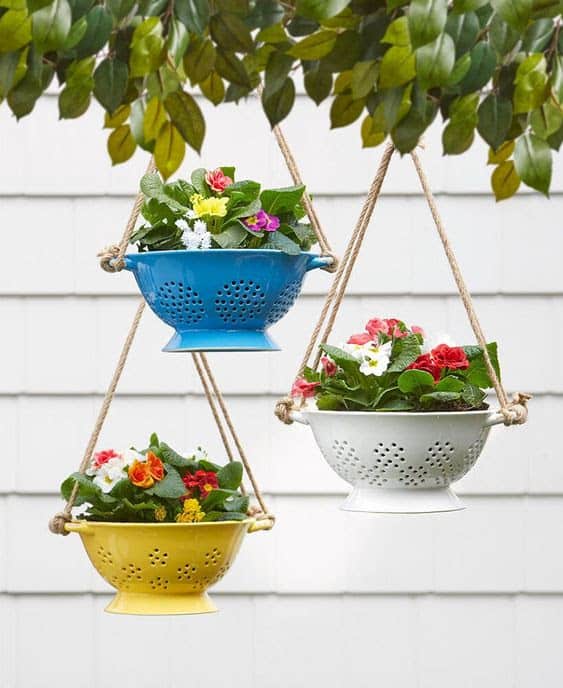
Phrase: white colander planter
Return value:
(400, 462)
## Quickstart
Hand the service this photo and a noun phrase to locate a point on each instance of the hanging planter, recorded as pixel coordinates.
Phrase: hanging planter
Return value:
(159, 527)
(220, 261)
(221, 300)
(163, 568)
(400, 462)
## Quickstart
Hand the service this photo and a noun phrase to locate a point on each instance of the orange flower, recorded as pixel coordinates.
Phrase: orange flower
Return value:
(140, 474)
(156, 467)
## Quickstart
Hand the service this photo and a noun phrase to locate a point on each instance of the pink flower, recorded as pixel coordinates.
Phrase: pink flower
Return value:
(304, 389)
(415, 329)
(262, 221)
(104, 456)
(361, 339)
(375, 326)
(217, 181)
(329, 366)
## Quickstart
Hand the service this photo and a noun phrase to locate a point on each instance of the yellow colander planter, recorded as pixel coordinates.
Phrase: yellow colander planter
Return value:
(163, 568)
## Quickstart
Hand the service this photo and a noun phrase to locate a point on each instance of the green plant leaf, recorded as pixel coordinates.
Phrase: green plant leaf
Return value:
(477, 373)
(483, 64)
(405, 351)
(342, 358)
(169, 150)
(364, 77)
(51, 25)
(279, 242)
(199, 60)
(120, 8)
(463, 28)
(232, 237)
(415, 382)
(186, 116)
(531, 84)
(537, 36)
(495, 117)
(146, 48)
(230, 32)
(232, 69)
(546, 120)
(318, 84)
(320, 9)
(15, 30)
(438, 398)
(74, 101)
(278, 105)
(435, 61)
(371, 137)
(532, 158)
(505, 180)
(110, 83)
(177, 41)
(503, 152)
(277, 201)
(426, 19)
(213, 88)
(230, 476)
(516, 13)
(121, 144)
(345, 110)
(98, 29)
(194, 14)
(502, 36)
(170, 487)
(473, 396)
(397, 67)
(315, 46)
(277, 70)
(397, 33)
(450, 384)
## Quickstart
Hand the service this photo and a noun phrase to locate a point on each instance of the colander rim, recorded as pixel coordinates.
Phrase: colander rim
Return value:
(394, 414)
(236, 251)
(160, 525)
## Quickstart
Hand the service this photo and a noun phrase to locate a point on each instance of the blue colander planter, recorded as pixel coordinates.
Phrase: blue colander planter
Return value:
(221, 299)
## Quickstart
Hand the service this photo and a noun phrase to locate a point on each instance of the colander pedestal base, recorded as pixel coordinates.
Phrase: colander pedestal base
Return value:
(159, 604)
(380, 500)
(221, 340)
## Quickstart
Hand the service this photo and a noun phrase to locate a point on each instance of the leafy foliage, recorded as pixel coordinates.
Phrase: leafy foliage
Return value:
(490, 68)
(184, 486)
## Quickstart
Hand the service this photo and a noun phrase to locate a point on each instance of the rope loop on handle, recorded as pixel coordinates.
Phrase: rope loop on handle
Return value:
(332, 266)
(283, 409)
(110, 260)
(58, 522)
(516, 412)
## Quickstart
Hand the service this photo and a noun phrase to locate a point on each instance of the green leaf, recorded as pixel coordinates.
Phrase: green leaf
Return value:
(502, 153)
(230, 32)
(278, 105)
(344, 55)
(483, 64)
(169, 150)
(397, 67)
(318, 84)
(277, 70)
(13, 67)
(345, 110)
(473, 396)
(531, 84)
(516, 13)
(532, 158)
(98, 30)
(495, 117)
(397, 33)
(236, 504)
(213, 88)
(314, 47)
(557, 77)
(505, 180)
(121, 144)
(439, 398)
(405, 351)
(230, 476)
(177, 41)
(22, 98)
(186, 115)
(364, 76)
(371, 137)
(435, 61)
(194, 14)
(538, 36)
(320, 9)
(477, 373)
(120, 8)
(546, 120)
(502, 36)
(461, 6)
(279, 242)
(76, 34)
(264, 14)
(110, 83)
(88, 492)
(168, 455)
(232, 69)
(427, 19)
(74, 101)
(170, 487)
(153, 119)
(233, 237)
(277, 201)
(15, 30)
(415, 382)
(463, 28)
(51, 25)
(146, 48)
(342, 358)
(450, 384)
(199, 60)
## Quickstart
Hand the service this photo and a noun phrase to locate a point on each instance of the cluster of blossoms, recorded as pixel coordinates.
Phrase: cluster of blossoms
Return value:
(157, 484)
(393, 367)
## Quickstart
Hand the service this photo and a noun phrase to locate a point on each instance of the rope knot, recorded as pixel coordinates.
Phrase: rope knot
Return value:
(110, 259)
(284, 407)
(516, 413)
(332, 267)
(58, 522)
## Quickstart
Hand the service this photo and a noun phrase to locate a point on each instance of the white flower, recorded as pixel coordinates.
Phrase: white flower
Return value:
(356, 350)
(200, 227)
(376, 358)
(110, 473)
(205, 240)
(191, 240)
(191, 214)
(182, 224)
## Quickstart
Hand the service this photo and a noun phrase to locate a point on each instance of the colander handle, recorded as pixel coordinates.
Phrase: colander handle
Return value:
(78, 527)
(319, 262)
(494, 419)
(262, 524)
(298, 417)
(128, 264)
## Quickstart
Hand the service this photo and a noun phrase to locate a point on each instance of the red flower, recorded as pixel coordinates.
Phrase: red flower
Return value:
(375, 326)
(427, 363)
(302, 388)
(452, 357)
(217, 180)
(104, 456)
(203, 481)
(360, 339)
(156, 467)
(329, 366)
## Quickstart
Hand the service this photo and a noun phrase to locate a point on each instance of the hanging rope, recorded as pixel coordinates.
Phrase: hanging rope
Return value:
(213, 395)
(111, 257)
(57, 523)
(515, 412)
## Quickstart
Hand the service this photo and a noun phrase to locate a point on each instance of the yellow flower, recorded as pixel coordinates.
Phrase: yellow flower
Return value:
(160, 513)
(192, 512)
(209, 206)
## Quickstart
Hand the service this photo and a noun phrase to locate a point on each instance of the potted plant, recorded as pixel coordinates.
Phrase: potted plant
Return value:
(220, 260)
(159, 527)
(397, 417)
